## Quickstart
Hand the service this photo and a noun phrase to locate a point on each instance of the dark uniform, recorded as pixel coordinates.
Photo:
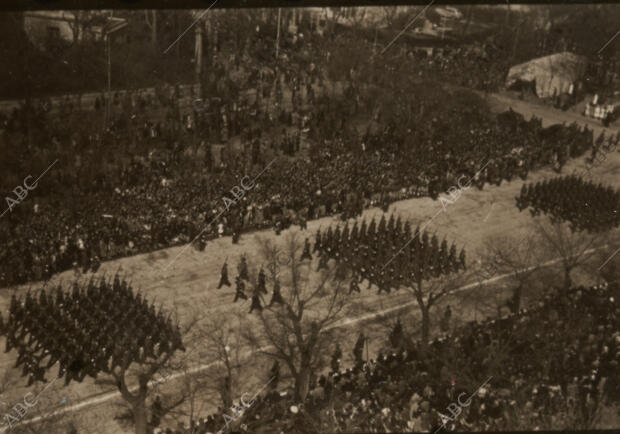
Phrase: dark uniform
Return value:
(240, 290)
(224, 276)
(306, 253)
(261, 282)
(277, 297)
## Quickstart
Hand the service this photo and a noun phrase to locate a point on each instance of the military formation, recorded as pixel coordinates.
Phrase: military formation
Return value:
(94, 328)
(585, 205)
(387, 254)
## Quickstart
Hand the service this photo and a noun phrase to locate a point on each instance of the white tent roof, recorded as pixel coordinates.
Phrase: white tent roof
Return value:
(552, 74)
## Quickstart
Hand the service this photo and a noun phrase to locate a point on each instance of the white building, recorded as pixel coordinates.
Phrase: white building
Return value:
(43, 26)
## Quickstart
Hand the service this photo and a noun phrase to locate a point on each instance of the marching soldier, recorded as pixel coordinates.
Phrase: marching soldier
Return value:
(277, 297)
(358, 350)
(261, 281)
(256, 299)
(224, 276)
(306, 253)
(243, 269)
(322, 262)
(240, 290)
(317, 242)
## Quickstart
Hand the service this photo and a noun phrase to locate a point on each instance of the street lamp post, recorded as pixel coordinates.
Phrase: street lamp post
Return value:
(278, 34)
(113, 24)
(109, 74)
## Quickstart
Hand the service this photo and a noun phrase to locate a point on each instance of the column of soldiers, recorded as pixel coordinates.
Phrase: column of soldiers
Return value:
(585, 205)
(260, 286)
(388, 255)
(95, 328)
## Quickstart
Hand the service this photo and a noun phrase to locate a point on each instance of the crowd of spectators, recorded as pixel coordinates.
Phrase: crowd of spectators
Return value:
(542, 372)
(154, 202)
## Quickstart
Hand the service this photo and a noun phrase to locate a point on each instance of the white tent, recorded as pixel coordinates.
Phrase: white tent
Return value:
(552, 75)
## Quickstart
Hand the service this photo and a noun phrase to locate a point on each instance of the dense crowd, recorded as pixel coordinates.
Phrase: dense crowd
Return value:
(542, 372)
(479, 66)
(154, 204)
(585, 205)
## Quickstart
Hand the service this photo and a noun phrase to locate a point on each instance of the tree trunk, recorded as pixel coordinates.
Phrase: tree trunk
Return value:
(227, 398)
(302, 381)
(425, 309)
(567, 280)
(516, 299)
(426, 325)
(139, 414)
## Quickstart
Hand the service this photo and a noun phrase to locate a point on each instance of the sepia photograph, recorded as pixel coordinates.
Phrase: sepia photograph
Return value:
(229, 217)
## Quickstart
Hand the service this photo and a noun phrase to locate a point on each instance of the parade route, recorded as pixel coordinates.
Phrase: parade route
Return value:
(191, 281)
(189, 284)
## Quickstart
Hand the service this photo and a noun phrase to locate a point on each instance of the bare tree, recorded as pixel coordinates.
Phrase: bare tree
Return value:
(483, 300)
(336, 14)
(80, 22)
(187, 401)
(517, 256)
(193, 382)
(145, 373)
(389, 13)
(297, 331)
(572, 247)
(221, 347)
(428, 292)
(605, 264)
(356, 15)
